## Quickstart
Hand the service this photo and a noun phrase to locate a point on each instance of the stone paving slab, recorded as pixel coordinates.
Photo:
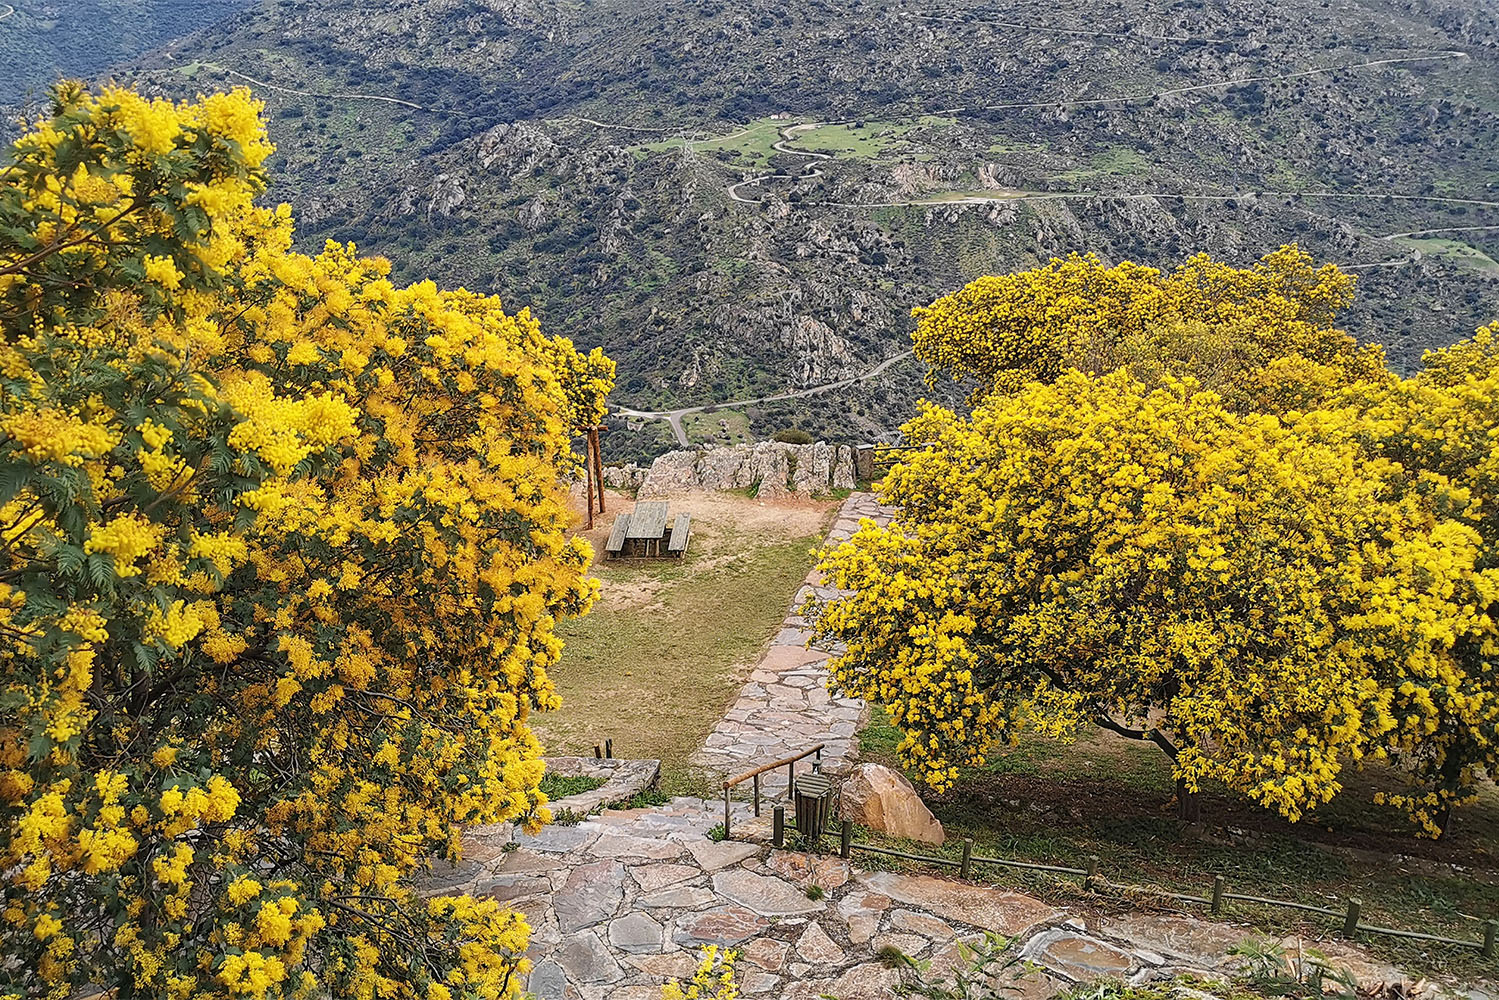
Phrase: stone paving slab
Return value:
(785, 707)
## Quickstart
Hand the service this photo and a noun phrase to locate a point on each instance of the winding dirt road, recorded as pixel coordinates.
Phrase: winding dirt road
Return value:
(674, 417)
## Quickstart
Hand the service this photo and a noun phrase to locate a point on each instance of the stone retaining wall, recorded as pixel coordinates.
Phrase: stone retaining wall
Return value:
(777, 469)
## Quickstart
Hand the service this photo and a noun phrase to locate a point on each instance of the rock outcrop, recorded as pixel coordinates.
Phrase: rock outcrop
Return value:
(624, 477)
(771, 468)
(881, 799)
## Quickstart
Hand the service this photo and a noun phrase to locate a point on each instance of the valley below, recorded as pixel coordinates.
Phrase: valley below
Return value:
(742, 203)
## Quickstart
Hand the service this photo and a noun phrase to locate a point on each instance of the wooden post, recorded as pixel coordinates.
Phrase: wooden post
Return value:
(598, 754)
(1092, 875)
(588, 474)
(846, 840)
(609, 749)
(965, 867)
(726, 812)
(598, 465)
(1490, 932)
(1350, 922)
(756, 781)
(778, 826)
(791, 785)
(1217, 895)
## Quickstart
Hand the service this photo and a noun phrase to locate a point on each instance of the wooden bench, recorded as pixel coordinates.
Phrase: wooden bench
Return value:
(616, 543)
(681, 534)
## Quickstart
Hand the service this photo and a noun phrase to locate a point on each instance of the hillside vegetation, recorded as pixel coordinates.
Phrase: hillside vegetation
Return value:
(41, 40)
(738, 199)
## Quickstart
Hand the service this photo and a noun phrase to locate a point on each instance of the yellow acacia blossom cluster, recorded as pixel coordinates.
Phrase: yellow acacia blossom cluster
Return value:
(285, 550)
(1270, 592)
(713, 979)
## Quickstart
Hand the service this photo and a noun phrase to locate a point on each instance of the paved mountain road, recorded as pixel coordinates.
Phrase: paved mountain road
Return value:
(674, 417)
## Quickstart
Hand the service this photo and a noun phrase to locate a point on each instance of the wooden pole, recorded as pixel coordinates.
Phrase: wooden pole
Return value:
(1350, 922)
(1217, 895)
(1490, 931)
(846, 840)
(598, 465)
(965, 867)
(778, 826)
(609, 749)
(725, 812)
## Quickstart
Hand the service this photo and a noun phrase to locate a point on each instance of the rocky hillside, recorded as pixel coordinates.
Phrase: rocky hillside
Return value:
(737, 200)
(42, 40)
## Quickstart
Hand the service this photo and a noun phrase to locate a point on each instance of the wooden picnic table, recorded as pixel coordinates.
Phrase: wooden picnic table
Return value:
(644, 532)
(648, 525)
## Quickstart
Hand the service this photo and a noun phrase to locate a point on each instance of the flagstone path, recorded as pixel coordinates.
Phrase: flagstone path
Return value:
(624, 900)
(785, 707)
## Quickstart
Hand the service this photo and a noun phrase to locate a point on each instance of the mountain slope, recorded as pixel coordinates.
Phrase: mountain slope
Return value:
(602, 162)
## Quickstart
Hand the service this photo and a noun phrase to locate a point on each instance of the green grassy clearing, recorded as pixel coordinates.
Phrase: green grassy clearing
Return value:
(1117, 161)
(706, 429)
(1052, 803)
(1006, 146)
(666, 649)
(753, 145)
(869, 140)
(750, 145)
(560, 786)
(1456, 251)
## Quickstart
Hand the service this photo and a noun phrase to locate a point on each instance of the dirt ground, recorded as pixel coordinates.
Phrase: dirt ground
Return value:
(671, 641)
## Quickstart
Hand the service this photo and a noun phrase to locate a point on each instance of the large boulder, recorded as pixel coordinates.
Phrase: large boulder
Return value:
(724, 468)
(803, 461)
(882, 799)
(769, 467)
(843, 469)
(624, 477)
(672, 473)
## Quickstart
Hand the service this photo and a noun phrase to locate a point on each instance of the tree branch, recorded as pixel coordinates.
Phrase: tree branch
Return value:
(1152, 735)
(58, 246)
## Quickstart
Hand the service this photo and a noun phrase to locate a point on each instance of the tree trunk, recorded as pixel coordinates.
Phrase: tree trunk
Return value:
(1188, 807)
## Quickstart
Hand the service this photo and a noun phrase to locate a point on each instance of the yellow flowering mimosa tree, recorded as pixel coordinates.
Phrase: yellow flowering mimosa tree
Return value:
(284, 547)
(1270, 581)
(1261, 337)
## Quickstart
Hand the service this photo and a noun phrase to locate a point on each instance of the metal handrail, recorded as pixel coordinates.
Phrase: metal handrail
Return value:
(789, 763)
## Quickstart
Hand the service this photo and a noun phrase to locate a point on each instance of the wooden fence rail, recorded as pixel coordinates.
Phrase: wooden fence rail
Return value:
(789, 763)
(1351, 924)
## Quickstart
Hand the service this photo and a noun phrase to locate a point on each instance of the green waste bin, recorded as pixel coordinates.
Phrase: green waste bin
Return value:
(814, 798)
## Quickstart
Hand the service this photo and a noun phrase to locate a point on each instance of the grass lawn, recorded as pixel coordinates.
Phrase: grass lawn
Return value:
(1106, 796)
(560, 786)
(1116, 161)
(1456, 251)
(752, 145)
(705, 429)
(869, 141)
(670, 642)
